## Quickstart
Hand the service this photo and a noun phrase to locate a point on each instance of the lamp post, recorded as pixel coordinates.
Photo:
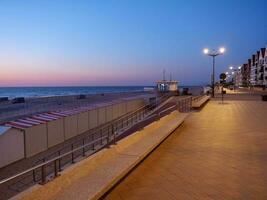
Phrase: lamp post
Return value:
(213, 54)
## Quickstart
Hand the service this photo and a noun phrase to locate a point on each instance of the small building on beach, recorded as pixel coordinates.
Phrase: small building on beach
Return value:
(167, 86)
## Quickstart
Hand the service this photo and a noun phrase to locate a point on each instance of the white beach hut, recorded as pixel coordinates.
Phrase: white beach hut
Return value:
(34, 134)
(55, 128)
(115, 110)
(83, 120)
(122, 108)
(70, 120)
(11, 145)
(101, 114)
(93, 117)
(109, 112)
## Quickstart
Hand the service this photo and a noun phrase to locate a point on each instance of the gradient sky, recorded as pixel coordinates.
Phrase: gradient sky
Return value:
(124, 42)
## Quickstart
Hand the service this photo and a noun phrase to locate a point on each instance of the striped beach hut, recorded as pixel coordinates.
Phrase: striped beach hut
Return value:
(34, 133)
(11, 145)
(55, 128)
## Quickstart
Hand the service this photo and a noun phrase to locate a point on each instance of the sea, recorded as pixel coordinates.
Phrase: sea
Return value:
(32, 92)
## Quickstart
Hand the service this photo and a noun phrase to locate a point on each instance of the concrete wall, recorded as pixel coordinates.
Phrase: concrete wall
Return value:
(93, 118)
(55, 132)
(70, 126)
(83, 122)
(35, 139)
(11, 146)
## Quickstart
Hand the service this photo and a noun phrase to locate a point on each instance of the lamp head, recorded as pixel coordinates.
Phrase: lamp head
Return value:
(206, 51)
(222, 50)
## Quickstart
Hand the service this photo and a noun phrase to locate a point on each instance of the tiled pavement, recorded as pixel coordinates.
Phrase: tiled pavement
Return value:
(218, 153)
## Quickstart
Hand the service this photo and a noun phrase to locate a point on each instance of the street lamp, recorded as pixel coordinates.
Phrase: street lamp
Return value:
(213, 54)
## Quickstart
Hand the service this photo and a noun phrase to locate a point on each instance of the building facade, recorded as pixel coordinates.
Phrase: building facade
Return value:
(265, 68)
(254, 72)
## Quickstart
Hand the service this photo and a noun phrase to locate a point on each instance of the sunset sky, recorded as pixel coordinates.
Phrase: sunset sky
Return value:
(124, 42)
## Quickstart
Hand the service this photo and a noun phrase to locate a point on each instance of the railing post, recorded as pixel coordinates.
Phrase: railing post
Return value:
(83, 147)
(108, 139)
(114, 135)
(43, 174)
(191, 103)
(55, 169)
(59, 162)
(72, 154)
(93, 138)
(101, 136)
(34, 176)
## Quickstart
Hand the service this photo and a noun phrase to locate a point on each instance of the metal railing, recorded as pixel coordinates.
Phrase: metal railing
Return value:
(99, 138)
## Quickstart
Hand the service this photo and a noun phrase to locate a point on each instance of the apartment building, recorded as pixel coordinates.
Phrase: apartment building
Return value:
(253, 71)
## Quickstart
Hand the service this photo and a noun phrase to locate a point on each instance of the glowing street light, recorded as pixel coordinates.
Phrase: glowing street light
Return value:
(239, 67)
(205, 51)
(222, 50)
(213, 54)
(226, 73)
(231, 67)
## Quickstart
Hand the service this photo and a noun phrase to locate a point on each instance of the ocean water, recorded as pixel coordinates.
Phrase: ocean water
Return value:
(31, 92)
(12, 92)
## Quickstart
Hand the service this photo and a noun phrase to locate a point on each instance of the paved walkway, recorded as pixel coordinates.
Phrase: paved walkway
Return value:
(218, 153)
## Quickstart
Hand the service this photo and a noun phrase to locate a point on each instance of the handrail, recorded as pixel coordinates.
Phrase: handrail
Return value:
(108, 135)
(126, 116)
(49, 161)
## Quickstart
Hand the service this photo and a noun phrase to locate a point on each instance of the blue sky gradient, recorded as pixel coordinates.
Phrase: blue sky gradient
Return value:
(118, 42)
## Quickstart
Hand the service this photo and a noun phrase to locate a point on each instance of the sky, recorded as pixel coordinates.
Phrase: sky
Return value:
(124, 42)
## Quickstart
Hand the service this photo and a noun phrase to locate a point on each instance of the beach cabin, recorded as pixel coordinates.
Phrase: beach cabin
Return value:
(93, 118)
(83, 119)
(34, 133)
(55, 128)
(101, 114)
(122, 108)
(115, 110)
(109, 112)
(11, 145)
(70, 120)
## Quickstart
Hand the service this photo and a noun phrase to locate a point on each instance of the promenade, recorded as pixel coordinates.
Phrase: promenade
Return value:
(218, 153)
